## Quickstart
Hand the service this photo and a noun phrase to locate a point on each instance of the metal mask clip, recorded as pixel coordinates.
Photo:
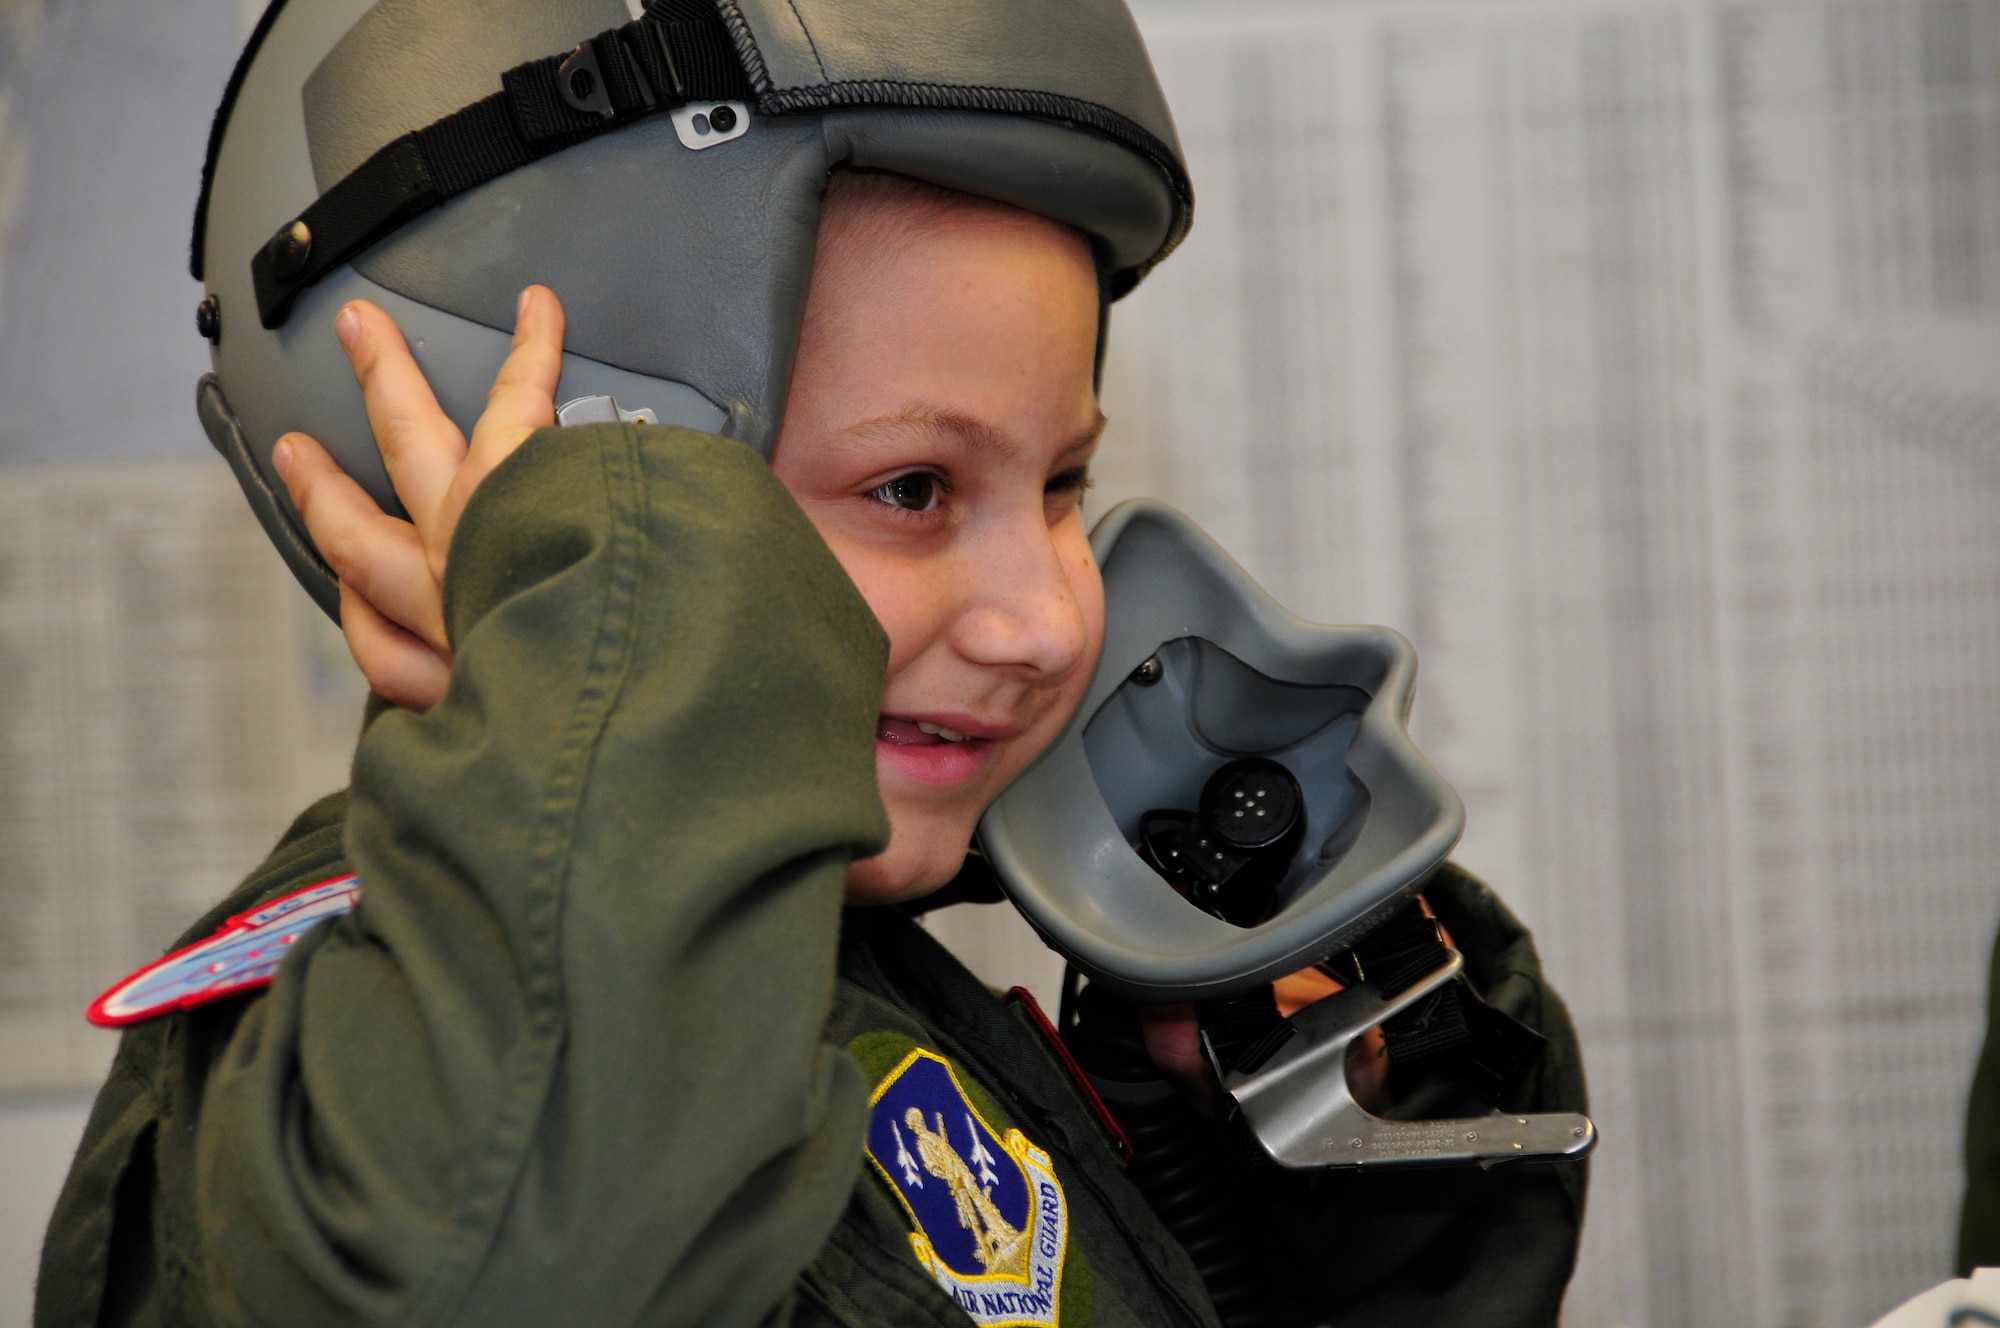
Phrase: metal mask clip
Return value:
(1299, 1107)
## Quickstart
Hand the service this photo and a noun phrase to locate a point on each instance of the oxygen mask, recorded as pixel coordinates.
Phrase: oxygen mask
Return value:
(1237, 798)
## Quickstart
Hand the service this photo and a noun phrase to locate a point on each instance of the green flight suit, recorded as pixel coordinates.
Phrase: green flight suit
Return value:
(597, 1045)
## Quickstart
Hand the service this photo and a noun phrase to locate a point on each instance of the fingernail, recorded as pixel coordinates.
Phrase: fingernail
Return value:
(521, 305)
(347, 326)
(281, 458)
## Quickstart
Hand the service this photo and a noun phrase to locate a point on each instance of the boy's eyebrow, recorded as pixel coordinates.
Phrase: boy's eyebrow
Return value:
(1088, 438)
(975, 434)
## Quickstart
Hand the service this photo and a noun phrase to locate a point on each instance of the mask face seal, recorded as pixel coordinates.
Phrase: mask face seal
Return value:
(1232, 785)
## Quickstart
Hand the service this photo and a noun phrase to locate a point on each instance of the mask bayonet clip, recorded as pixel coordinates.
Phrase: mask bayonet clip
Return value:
(1298, 1104)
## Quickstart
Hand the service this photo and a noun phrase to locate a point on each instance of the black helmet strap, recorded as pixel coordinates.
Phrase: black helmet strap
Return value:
(675, 54)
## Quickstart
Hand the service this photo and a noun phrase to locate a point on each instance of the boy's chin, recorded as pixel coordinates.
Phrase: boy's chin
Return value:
(925, 852)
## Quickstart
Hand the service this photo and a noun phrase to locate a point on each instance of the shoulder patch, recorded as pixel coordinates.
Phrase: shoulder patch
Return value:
(992, 1225)
(243, 955)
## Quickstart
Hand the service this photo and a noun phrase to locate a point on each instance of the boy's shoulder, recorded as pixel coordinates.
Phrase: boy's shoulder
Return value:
(104, 1219)
(310, 848)
(236, 946)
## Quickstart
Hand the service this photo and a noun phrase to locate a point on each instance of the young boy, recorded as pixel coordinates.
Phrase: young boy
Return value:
(611, 1037)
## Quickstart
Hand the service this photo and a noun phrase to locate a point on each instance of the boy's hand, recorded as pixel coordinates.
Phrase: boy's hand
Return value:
(1173, 1040)
(392, 571)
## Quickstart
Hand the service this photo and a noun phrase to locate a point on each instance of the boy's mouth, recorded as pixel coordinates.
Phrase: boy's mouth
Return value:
(932, 751)
(915, 732)
(930, 730)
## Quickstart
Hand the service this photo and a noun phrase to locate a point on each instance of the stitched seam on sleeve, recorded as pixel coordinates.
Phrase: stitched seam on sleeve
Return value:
(494, 1175)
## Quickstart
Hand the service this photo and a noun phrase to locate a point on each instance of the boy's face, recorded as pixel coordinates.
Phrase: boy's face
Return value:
(937, 434)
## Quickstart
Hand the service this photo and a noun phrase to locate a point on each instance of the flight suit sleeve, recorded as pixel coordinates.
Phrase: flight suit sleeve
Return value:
(1457, 1245)
(563, 1063)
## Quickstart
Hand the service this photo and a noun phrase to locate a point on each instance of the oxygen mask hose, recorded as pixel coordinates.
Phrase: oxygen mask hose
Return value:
(1181, 1162)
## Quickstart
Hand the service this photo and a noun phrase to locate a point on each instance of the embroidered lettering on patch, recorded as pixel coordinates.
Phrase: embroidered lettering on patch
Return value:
(243, 955)
(992, 1225)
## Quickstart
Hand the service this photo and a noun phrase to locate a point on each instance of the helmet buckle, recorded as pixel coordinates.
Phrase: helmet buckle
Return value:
(580, 82)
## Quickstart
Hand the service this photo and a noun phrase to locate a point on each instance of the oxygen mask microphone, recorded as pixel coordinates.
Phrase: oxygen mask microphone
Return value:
(1228, 858)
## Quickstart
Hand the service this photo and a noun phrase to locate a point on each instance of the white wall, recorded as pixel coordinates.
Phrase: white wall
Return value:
(104, 108)
(1635, 359)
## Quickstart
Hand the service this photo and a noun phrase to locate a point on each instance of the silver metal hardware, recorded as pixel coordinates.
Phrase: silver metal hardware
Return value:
(1299, 1107)
(703, 124)
(601, 410)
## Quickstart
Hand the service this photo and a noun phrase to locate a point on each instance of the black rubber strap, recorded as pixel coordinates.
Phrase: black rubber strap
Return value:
(1244, 1030)
(677, 53)
(1451, 1022)
(1434, 1026)
(1397, 954)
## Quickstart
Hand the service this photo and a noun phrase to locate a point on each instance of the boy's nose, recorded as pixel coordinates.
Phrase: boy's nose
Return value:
(1021, 610)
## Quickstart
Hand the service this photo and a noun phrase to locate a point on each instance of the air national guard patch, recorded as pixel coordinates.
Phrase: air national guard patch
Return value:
(991, 1221)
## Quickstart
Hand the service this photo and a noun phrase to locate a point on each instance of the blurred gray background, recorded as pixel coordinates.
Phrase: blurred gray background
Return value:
(1640, 359)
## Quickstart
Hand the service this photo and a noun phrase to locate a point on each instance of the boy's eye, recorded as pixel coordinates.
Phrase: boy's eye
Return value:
(915, 492)
(1074, 483)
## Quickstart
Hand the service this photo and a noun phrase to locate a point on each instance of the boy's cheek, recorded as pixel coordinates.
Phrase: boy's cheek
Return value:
(927, 845)
(902, 596)
(1086, 582)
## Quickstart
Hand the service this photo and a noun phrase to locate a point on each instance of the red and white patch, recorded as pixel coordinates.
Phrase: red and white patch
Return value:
(243, 955)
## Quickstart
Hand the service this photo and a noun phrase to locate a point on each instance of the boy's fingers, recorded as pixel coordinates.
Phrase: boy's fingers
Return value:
(1173, 1041)
(386, 565)
(420, 445)
(400, 668)
(522, 401)
(319, 488)
(523, 395)
(375, 555)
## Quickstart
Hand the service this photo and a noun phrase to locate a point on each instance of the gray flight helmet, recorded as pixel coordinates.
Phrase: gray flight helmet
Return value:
(1201, 671)
(661, 172)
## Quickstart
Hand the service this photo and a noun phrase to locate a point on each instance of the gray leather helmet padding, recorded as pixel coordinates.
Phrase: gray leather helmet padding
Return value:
(692, 265)
(815, 53)
(225, 431)
(683, 273)
(1242, 676)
